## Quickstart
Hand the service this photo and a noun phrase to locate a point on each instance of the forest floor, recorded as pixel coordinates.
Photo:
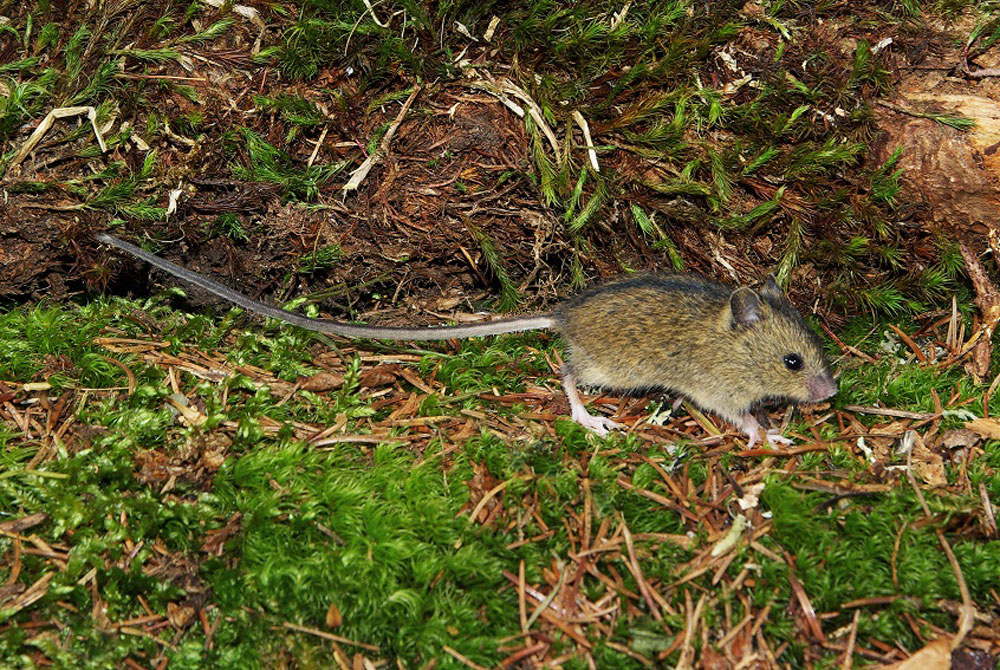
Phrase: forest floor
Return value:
(189, 487)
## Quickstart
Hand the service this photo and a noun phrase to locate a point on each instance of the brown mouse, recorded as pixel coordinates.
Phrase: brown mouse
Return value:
(730, 351)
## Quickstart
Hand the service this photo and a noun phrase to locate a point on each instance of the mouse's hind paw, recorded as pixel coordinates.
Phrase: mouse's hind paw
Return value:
(599, 424)
(774, 436)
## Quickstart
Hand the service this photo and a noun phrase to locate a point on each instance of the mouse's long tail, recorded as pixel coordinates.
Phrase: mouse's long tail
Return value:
(328, 325)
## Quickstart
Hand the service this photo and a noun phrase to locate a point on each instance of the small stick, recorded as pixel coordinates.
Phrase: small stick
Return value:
(328, 636)
(585, 128)
(319, 143)
(359, 174)
(462, 659)
(371, 10)
(807, 607)
(908, 341)
(246, 12)
(885, 411)
(968, 611)
(484, 85)
(547, 601)
(522, 606)
(170, 77)
(536, 115)
(747, 453)
(849, 652)
(991, 522)
(637, 573)
(50, 118)
(486, 498)
(504, 87)
(847, 348)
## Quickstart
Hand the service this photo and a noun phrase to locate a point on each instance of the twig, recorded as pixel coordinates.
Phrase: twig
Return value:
(486, 86)
(938, 118)
(522, 605)
(319, 143)
(371, 11)
(849, 652)
(991, 522)
(728, 637)
(807, 607)
(687, 650)
(748, 453)
(885, 411)
(908, 341)
(328, 636)
(987, 299)
(489, 496)
(523, 653)
(50, 118)
(158, 77)
(619, 17)
(462, 659)
(847, 348)
(968, 611)
(547, 601)
(637, 572)
(249, 13)
(359, 174)
(585, 128)
(503, 87)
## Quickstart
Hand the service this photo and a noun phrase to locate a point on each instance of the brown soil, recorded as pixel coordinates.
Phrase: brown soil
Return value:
(458, 162)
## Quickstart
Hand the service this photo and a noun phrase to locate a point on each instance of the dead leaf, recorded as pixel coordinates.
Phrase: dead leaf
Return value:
(713, 660)
(751, 496)
(928, 465)
(988, 428)
(412, 377)
(935, 656)
(213, 460)
(215, 539)
(280, 388)
(891, 429)
(24, 523)
(333, 616)
(321, 381)
(380, 375)
(447, 303)
(960, 437)
(179, 615)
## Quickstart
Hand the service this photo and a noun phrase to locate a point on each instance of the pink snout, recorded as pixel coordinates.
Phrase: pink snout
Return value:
(820, 387)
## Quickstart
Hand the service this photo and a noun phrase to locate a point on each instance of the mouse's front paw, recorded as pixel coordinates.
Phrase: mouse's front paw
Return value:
(599, 424)
(774, 436)
(753, 431)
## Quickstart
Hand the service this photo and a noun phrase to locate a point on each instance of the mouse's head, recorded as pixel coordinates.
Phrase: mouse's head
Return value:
(784, 356)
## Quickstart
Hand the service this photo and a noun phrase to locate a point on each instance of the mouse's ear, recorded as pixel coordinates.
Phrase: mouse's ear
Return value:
(770, 288)
(746, 307)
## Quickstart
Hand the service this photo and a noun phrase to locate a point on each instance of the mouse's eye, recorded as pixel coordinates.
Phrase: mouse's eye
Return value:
(793, 361)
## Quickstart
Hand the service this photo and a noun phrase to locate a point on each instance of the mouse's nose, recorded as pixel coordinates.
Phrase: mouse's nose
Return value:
(820, 387)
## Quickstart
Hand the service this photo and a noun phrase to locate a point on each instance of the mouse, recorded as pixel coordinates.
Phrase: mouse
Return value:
(730, 350)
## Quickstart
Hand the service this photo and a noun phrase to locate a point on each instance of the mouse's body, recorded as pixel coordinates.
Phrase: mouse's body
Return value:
(728, 350)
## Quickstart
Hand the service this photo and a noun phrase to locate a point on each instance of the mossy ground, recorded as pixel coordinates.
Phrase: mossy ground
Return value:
(199, 490)
(195, 538)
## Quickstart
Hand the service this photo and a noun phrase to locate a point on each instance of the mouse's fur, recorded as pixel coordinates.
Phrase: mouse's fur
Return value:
(721, 348)
(725, 349)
